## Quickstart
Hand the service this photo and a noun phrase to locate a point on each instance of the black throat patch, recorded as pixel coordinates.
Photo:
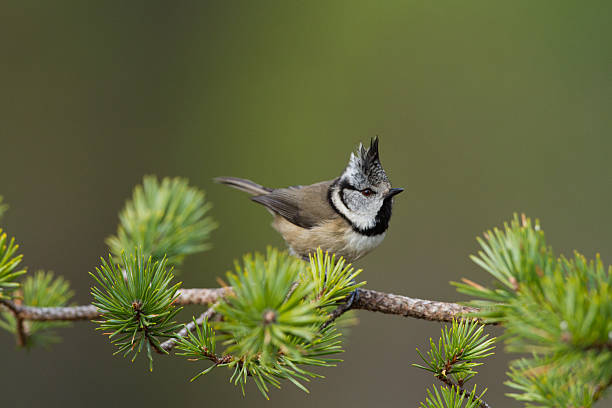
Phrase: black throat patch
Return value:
(382, 217)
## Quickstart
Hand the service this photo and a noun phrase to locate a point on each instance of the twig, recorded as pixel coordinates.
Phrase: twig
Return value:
(599, 390)
(464, 392)
(444, 378)
(19, 325)
(90, 312)
(202, 296)
(389, 303)
(189, 328)
(410, 307)
(22, 337)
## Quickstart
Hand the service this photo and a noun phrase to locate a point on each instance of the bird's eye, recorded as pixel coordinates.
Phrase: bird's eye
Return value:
(367, 192)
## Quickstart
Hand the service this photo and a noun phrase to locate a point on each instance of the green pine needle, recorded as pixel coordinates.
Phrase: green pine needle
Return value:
(136, 303)
(201, 345)
(164, 219)
(272, 326)
(559, 381)
(9, 262)
(451, 397)
(333, 279)
(3, 207)
(558, 309)
(40, 290)
(268, 308)
(458, 349)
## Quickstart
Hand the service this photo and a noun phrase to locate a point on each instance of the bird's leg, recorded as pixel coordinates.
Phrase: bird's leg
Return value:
(341, 309)
(350, 299)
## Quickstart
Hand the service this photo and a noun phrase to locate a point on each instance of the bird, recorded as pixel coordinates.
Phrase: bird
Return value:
(348, 216)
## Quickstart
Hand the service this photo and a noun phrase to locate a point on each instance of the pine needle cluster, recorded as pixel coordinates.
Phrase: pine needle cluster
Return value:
(557, 309)
(452, 361)
(166, 219)
(273, 326)
(136, 301)
(452, 397)
(43, 289)
(9, 263)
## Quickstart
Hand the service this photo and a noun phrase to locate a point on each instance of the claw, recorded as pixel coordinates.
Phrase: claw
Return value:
(351, 299)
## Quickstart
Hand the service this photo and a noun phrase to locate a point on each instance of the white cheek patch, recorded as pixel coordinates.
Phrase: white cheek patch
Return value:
(361, 221)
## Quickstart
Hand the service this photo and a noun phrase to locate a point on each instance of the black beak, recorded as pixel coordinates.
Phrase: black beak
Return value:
(394, 191)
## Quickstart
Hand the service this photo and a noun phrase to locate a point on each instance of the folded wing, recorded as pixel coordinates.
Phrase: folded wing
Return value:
(304, 206)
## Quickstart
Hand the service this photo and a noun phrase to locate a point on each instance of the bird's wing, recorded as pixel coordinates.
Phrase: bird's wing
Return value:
(304, 206)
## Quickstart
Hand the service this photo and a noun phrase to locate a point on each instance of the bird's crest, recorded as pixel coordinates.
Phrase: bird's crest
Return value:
(365, 163)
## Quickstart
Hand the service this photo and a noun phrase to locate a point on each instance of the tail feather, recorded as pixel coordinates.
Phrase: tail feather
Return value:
(244, 185)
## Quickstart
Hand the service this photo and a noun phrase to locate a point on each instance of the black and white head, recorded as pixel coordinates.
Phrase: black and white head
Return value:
(363, 193)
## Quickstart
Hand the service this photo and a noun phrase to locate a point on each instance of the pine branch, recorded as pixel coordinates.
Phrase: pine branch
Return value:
(555, 308)
(90, 312)
(389, 303)
(22, 336)
(41, 289)
(368, 299)
(199, 296)
(462, 391)
(189, 328)
(453, 359)
(68, 313)
(165, 218)
(19, 324)
(599, 390)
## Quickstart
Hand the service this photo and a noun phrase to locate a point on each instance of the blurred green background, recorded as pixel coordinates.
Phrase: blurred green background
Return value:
(483, 109)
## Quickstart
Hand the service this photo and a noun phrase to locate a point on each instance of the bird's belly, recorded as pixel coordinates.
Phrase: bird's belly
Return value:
(335, 237)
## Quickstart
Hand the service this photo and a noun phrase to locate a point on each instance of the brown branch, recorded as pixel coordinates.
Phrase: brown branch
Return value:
(366, 300)
(599, 390)
(189, 328)
(90, 312)
(371, 300)
(202, 296)
(374, 301)
(20, 329)
(442, 376)
(462, 391)
(22, 337)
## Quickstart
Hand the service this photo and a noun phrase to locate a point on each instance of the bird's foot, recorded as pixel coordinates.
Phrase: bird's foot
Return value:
(341, 309)
(352, 298)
